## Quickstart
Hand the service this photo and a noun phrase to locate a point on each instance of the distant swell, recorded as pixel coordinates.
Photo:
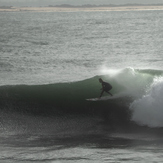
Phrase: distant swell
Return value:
(70, 98)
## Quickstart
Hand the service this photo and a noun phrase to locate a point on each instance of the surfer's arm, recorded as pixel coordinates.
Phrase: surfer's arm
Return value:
(103, 86)
(101, 93)
(102, 90)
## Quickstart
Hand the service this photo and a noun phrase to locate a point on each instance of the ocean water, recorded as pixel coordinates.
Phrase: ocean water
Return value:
(50, 63)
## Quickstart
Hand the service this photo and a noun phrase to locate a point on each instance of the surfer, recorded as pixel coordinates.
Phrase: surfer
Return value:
(106, 87)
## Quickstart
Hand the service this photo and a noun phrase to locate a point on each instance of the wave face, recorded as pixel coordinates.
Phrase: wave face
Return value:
(139, 100)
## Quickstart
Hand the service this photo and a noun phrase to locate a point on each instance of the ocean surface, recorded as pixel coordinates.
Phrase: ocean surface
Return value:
(50, 63)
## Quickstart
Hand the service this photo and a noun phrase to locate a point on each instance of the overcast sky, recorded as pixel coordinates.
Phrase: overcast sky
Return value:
(73, 2)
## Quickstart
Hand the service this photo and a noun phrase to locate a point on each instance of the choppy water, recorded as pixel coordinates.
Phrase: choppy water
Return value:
(54, 47)
(50, 63)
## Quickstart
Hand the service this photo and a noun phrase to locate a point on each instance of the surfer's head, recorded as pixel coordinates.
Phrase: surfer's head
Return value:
(100, 80)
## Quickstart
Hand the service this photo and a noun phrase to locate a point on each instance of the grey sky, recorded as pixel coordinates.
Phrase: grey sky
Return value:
(73, 2)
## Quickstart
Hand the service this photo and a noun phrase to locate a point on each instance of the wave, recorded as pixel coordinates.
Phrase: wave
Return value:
(135, 86)
(148, 110)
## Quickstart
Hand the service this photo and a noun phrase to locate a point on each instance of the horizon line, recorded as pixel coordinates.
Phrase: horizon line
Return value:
(88, 5)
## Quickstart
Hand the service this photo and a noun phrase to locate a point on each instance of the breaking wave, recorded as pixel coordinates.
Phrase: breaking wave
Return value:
(148, 110)
(140, 97)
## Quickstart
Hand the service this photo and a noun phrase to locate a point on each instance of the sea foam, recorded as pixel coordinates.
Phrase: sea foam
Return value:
(148, 110)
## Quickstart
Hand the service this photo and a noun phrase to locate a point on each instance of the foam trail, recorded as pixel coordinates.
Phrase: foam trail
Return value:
(149, 109)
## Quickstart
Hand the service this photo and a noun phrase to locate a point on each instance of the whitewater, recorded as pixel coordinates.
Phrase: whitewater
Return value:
(50, 63)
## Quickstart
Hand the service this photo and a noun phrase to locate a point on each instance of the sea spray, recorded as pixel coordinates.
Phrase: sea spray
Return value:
(132, 82)
(149, 109)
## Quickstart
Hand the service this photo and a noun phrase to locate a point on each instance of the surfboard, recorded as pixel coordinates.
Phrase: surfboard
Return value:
(101, 99)
(105, 98)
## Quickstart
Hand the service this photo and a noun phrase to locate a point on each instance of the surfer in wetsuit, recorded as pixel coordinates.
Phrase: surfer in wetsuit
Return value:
(106, 87)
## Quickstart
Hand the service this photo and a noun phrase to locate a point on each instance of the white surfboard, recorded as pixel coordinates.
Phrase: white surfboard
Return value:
(105, 98)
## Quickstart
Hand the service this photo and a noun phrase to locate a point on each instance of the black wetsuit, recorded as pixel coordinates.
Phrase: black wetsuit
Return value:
(106, 86)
